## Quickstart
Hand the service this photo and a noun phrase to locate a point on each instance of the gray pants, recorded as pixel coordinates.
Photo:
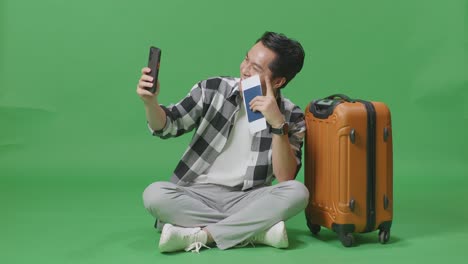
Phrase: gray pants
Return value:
(230, 215)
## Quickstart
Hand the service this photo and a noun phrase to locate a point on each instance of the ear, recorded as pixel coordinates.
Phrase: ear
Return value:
(278, 82)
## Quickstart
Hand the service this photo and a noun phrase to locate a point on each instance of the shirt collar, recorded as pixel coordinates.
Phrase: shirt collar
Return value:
(235, 89)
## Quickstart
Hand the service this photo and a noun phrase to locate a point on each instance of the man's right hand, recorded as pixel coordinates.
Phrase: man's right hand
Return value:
(146, 82)
(154, 113)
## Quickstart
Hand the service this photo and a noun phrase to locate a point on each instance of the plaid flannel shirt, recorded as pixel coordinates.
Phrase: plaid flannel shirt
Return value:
(210, 108)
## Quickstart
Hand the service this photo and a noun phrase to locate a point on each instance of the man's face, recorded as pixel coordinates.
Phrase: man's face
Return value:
(256, 62)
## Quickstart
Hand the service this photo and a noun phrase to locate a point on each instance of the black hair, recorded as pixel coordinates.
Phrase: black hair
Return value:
(289, 55)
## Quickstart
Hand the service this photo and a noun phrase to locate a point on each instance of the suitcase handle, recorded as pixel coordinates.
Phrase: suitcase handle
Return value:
(324, 108)
(341, 96)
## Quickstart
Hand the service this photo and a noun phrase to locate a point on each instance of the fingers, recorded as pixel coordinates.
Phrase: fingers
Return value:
(258, 103)
(145, 70)
(146, 78)
(146, 81)
(262, 103)
(144, 93)
(143, 84)
(144, 87)
(269, 88)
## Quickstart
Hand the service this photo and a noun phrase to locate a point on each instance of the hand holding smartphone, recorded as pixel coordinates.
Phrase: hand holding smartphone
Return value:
(153, 63)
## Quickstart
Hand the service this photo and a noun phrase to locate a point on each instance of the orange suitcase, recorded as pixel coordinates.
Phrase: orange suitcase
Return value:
(349, 167)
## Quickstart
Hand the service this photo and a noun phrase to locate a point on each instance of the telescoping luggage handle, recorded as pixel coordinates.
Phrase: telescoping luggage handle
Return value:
(323, 108)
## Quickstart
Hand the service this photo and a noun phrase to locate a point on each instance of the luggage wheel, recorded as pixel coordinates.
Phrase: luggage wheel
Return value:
(347, 239)
(384, 236)
(314, 228)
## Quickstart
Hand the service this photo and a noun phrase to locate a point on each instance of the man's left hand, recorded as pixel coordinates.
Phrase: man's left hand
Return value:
(267, 106)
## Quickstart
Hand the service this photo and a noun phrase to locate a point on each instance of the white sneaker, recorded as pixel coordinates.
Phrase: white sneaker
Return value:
(276, 236)
(175, 238)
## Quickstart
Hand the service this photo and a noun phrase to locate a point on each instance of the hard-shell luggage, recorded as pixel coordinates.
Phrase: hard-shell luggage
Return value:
(349, 167)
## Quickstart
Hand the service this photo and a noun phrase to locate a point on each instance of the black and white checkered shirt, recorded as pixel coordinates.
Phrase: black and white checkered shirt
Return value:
(210, 108)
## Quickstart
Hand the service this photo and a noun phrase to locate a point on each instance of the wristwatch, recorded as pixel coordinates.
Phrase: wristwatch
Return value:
(282, 130)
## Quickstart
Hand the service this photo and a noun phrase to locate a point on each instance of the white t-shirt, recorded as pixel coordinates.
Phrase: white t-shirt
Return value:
(230, 166)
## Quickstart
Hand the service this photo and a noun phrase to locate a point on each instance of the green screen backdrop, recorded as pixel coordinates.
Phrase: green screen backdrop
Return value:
(75, 152)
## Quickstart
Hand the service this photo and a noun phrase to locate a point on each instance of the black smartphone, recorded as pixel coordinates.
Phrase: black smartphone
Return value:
(153, 63)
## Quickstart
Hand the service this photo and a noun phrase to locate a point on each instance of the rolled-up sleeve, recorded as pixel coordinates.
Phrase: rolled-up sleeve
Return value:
(297, 130)
(182, 117)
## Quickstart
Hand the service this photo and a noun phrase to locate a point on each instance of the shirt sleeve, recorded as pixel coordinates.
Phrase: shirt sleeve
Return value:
(297, 130)
(182, 117)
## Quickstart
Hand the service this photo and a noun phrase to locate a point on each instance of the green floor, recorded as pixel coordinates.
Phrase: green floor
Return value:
(96, 216)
